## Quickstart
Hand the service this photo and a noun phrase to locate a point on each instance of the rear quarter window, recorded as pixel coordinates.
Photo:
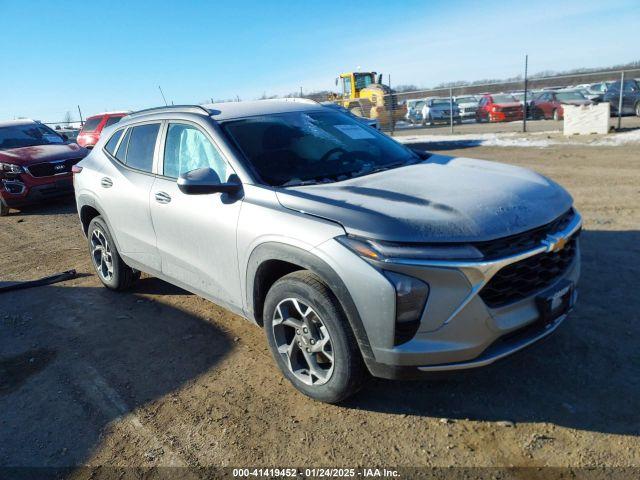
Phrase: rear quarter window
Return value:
(113, 141)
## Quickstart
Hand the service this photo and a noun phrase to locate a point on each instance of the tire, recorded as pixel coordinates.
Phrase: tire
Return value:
(340, 372)
(555, 115)
(111, 270)
(637, 109)
(4, 208)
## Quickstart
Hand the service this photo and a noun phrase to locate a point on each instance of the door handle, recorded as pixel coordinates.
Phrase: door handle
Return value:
(106, 182)
(162, 197)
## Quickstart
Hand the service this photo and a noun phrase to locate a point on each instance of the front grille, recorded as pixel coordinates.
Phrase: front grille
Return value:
(521, 279)
(521, 242)
(49, 169)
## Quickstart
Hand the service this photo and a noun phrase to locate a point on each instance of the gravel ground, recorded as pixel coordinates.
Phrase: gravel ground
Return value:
(158, 377)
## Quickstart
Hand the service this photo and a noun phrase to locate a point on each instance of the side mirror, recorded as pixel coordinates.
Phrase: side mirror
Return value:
(202, 181)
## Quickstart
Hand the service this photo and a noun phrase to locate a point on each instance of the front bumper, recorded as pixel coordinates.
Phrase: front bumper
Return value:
(20, 192)
(457, 330)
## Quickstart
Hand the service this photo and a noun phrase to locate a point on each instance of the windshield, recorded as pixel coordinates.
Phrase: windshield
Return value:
(440, 102)
(28, 135)
(466, 100)
(314, 147)
(503, 99)
(569, 96)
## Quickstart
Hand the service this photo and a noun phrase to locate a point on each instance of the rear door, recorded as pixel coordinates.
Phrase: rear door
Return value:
(125, 187)
(196, 233)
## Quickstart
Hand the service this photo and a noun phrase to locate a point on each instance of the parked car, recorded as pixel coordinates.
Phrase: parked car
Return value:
(593, 91)
(437, 110)
(35, 163)
(499, 107)
(550, 104)
(353, 252)
(531, 96)
(370, 122)
(94, 125)
(468, 105)
(630, 97)
(414, 111)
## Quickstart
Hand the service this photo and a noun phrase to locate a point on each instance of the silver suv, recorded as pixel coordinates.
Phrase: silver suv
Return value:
(355, 254)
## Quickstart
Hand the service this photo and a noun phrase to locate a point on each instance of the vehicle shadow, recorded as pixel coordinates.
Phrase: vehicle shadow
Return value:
(74, 359)
(584, 376)
(54, 206)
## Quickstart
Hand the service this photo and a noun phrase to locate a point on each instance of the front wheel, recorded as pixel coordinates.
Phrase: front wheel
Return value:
(637, 109)
(112, 271)
(310, 338)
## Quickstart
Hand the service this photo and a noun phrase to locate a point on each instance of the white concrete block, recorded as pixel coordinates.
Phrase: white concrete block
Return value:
(586, 119)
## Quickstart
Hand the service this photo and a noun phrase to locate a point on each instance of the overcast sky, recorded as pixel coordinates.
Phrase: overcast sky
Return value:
(113, 55)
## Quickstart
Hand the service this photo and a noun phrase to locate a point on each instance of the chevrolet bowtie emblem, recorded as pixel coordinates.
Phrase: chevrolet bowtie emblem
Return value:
(555, 244)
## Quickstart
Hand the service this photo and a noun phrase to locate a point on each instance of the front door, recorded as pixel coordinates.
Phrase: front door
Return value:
(196, 234)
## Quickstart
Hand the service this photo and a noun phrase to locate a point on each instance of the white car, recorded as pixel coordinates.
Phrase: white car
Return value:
(468, 105)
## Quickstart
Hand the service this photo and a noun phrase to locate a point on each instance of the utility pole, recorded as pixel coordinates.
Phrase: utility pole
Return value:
(300, 92)
(620, 101)
(526, 105)
(392, 123)
(81, 121)
(451, 108)
(162, 93)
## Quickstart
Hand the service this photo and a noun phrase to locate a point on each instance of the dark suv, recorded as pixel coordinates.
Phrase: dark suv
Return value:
(630, 97)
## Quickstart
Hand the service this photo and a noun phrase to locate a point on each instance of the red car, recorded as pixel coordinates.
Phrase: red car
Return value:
(549, 104)
(35, 163)
(93, 127)
(499, 107)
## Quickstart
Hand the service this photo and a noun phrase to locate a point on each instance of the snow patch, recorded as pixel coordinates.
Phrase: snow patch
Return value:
(513, 139)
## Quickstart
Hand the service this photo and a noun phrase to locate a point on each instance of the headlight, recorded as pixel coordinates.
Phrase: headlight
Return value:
(10, 168)
(388, 251)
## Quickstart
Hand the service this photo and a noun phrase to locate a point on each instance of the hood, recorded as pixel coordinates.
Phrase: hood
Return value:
(26, 156)
(444, 199)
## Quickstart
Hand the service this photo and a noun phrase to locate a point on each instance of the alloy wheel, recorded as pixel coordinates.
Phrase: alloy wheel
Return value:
(101, 254)
(303, 342)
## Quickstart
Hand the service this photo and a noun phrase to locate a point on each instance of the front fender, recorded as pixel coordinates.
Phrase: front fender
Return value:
(288, 253)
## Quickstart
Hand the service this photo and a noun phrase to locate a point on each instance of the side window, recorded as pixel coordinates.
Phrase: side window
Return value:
(112, 121)
(346, 86)
(122, 149)
(187, 148)
(113, 141)
(142, 143)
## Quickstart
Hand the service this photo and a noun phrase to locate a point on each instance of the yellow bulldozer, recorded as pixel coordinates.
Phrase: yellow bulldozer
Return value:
(363, 94)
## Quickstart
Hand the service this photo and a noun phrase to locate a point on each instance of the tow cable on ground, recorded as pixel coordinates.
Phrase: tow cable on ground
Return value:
(58, 277)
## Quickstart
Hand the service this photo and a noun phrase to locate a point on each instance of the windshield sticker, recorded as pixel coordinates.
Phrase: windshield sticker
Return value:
(52, 138)
(354, 131)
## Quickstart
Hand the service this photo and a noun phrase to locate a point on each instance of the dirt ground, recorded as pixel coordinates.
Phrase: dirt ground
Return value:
(157, 376)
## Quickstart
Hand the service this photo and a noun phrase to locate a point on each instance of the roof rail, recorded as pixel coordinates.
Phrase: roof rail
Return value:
(170, 108)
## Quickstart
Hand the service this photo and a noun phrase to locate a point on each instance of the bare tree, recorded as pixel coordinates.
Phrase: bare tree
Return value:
(68, 118)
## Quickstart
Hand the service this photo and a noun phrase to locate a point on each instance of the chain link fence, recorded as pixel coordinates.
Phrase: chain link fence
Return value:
(519, 103)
